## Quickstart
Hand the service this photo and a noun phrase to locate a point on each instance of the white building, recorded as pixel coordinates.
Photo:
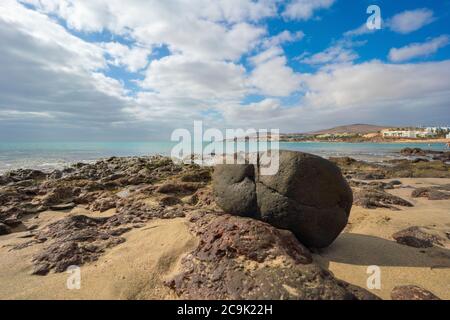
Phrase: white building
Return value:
(448, 136)
(436, 129)
(399, 133)
(425, 134)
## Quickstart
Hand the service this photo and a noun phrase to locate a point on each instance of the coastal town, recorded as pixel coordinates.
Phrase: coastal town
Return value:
(372, 133)
(414, 133)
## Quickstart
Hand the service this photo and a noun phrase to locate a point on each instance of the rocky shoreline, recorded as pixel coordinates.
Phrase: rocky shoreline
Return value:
(236, 257)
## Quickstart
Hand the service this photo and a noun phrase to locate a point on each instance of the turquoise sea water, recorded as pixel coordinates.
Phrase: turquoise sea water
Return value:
(50, 155)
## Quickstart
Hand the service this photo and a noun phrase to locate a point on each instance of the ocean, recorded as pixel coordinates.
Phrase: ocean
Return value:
(52, 155)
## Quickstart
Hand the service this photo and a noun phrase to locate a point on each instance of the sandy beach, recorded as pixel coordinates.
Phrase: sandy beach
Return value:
(148, 228)
(137, 268)
(368, 241)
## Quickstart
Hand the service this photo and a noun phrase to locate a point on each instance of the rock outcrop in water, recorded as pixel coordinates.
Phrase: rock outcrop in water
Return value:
(307, 196)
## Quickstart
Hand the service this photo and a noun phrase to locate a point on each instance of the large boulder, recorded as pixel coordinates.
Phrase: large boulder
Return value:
(307, 196)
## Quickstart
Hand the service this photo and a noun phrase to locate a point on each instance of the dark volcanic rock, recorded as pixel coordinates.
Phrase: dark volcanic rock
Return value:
(4, 229)
(76, 240)
(375, 198)
(416, 237)
(65, 206)
(24, 174)
(59, 195)
(430, 193)
(13, 223)
(241, 258)
(103, 204)
(169, 201)
(197, 174)
(412, 293)
(307, 196)
(420, 160)
(370, 176)
(413, 152)
(395, 168)
(179, 187)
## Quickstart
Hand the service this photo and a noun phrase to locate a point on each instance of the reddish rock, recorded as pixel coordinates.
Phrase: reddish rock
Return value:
(412, 293)
(242, 258)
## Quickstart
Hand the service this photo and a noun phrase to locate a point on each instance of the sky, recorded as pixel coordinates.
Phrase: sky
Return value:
(135, 70)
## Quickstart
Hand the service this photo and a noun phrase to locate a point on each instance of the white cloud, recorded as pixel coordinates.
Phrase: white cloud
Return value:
(361, 30)
(304, 9)
(39, 28)
(283, 37)
(237, 10)
(416, 50)
(51, 77)
(178, 76)
(255, 113)
(134, 59)
(388, 94)
(266, 55)
(409, 21)
(47, 71)
(272, 76)
(20, 115)
(332, 55)
(375, 83)
(179, 24)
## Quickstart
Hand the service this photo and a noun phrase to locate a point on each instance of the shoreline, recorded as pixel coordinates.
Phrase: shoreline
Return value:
(431, 141)
(58, 158)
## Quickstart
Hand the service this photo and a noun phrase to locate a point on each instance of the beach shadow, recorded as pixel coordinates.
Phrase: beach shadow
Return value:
(358, 249)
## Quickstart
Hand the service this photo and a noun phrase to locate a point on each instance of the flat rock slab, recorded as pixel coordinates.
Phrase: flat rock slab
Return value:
(417, 237)
(431, 193)
(371, 198)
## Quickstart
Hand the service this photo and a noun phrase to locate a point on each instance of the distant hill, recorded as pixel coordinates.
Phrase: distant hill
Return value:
(353, 128)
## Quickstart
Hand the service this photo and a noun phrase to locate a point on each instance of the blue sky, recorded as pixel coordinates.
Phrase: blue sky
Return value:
(136, 70)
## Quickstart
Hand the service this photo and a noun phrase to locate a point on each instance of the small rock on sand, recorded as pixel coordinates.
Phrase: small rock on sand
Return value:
(430, 193)
(416, 237)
